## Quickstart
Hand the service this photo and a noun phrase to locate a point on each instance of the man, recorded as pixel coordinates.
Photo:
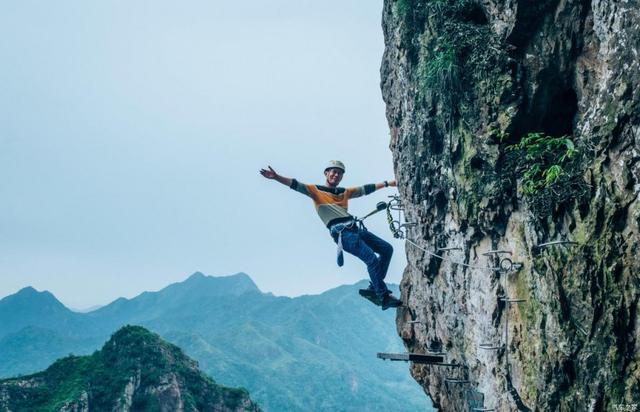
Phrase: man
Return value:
(331, 202)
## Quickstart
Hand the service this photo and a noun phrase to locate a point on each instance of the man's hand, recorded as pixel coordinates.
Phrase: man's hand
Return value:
(269, 174)
(392, 183)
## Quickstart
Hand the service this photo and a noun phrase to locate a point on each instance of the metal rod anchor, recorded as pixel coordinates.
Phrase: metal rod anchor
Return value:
(456, 381)
(489, 346)
(497, 252)
(408, 224)
(395, 203)
(510, 300)
(555, 243)
(446, 249)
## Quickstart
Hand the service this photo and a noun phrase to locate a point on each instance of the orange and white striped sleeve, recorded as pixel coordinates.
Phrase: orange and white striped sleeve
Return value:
(301, 188)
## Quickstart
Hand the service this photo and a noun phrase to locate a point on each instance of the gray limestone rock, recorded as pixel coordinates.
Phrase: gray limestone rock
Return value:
(463, 81)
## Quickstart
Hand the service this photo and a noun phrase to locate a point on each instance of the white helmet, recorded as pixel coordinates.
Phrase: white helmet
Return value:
(335, 164)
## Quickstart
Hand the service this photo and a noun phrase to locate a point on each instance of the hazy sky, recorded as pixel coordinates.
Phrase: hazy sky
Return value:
(132, 132)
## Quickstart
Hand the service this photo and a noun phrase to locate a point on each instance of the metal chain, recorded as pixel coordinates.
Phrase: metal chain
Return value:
(398, 233)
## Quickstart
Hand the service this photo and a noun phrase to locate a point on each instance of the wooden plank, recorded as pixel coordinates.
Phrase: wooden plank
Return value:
(412, 357)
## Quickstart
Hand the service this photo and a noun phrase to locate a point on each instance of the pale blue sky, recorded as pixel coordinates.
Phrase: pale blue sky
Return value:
(132, 132)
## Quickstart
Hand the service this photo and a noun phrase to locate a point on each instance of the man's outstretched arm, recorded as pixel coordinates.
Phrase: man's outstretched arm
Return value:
(292, 183)
(367, 189)
(271, 174)
(386, 183)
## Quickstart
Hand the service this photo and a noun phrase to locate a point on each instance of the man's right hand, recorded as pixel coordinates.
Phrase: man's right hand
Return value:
(269, 174)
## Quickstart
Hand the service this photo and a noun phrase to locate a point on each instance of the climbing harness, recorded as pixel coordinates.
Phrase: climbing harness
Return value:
(338, 228)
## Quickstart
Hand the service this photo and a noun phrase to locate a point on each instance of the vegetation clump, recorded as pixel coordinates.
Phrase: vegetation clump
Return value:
(544, 158)
(549, 170)
(457, 51)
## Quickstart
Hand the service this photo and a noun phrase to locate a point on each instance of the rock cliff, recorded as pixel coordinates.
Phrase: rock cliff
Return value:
(514, 124)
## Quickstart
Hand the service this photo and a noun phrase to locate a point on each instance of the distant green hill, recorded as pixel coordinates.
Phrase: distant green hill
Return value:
(311, 353)
(34, 348)
(29, 307)
(135, 370)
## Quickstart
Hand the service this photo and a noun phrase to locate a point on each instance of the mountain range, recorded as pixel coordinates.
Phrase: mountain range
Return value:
(314, 352)
(135, 371)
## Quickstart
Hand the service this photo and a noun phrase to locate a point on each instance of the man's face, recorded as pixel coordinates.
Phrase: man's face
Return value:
(334, 176)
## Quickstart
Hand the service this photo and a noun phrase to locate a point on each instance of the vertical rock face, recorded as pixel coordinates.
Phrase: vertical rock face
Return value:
(473, 89)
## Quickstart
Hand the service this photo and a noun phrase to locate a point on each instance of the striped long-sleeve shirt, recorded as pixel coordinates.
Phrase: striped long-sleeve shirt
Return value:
(332, 203)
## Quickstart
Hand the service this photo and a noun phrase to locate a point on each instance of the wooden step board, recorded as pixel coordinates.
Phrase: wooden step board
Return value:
(435, 359)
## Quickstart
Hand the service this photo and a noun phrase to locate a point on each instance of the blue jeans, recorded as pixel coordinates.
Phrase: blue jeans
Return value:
(373, 251)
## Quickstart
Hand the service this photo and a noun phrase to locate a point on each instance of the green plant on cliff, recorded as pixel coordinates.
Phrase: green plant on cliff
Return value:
(450, 44)
(442, 70)
(548, 169)
(412, 15)
(543, 161)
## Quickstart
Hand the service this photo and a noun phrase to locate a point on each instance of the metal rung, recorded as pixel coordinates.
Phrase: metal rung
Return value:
(456, 381)
(508, 300)
(489, 346)
(556, 242)
(496, 252)
(579, 328)
(445, 249)
(413, 322)
(412, 357)
(483, 409)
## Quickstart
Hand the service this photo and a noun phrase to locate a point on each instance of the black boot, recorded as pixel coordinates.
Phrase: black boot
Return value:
(390, 302)
(370, 293)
